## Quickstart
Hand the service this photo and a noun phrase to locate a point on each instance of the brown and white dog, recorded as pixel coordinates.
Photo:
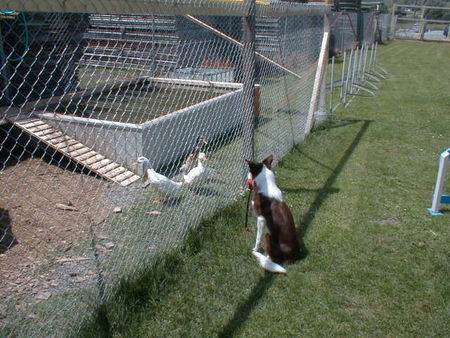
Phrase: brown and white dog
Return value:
(275, 222)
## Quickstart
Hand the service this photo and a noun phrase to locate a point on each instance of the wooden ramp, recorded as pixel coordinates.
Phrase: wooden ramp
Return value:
(77, 151)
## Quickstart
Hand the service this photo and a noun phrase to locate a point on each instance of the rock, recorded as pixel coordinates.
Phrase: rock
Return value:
(421, 244)
(43, 295)
(154, 213)
(65, 207)
(109, 245)
(102, 237)
(79, 280)
(54, 284)
(98, 247)
(117, 210)
(32, 316)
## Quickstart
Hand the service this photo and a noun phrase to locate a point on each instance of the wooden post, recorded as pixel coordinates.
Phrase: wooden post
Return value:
(422, 23)
(247, 69)
(321, 70)
(393, 22)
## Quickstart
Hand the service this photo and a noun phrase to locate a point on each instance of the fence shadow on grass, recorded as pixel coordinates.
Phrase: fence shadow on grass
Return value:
(324, 192)
(143, 291)
(146, 290)
(244, 309)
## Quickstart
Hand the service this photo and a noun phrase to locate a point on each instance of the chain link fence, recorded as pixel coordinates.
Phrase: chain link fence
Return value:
(87, 92)
(347, 31)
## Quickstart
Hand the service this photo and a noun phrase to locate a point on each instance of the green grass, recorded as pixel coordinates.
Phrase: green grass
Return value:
(359, 186)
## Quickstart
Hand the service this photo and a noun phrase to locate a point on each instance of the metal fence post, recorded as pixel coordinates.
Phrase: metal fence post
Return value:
(4, 72)
(248, 78)
(331, 84)
(341, 96)
(438, 197)
(347, 75)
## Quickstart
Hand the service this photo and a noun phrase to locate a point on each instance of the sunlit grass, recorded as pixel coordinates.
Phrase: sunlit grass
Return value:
(359, 186)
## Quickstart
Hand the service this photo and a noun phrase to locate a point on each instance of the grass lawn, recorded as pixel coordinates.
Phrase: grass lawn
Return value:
(359, 186)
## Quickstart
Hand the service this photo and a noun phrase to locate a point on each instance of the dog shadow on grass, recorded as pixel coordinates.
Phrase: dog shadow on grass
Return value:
(7, 238)
(244, 309)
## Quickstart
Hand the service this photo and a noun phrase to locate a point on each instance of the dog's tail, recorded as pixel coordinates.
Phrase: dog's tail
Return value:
(267, 264)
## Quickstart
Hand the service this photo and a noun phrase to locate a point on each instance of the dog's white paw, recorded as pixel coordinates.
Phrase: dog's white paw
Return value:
(266, 263)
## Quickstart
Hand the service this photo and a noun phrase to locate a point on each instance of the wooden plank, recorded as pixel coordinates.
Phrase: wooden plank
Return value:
(29, 124)
(115, 172)
(130, 180)
(94, 159)
(52, 136)
(107, 168)
(29, 119)
(71, 148)
(127, 174)
(85, 156)
(39, 128)
(64, 144)
(45, 132)
(99, 164)
(79, 152)
(57, 140)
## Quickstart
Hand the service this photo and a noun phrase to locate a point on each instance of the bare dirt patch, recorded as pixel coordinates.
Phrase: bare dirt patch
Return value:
(45, 250)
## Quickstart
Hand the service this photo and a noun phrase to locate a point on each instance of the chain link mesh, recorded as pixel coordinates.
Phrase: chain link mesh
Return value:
(86, 94)
(344, 30)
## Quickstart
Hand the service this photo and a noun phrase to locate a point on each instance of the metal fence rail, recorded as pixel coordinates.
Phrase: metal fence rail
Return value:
(420, 23)
(87, 91)
(358, 75)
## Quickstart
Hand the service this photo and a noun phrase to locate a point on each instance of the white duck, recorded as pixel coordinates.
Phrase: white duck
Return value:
(192, 159)
(199, 173)
(162, 184)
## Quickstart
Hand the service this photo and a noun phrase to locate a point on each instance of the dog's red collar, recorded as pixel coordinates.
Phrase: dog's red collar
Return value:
(251, 184)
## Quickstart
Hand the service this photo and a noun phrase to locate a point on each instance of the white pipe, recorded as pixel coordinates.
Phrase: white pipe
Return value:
(438, 196)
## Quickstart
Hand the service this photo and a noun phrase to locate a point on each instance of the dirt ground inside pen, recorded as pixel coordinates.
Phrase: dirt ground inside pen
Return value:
(43, 249)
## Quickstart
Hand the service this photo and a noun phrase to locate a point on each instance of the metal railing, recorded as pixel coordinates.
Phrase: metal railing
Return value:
(420, 23)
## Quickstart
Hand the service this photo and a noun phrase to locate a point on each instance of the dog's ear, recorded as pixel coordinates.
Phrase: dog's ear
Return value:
(250, 163)
(268, 161)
